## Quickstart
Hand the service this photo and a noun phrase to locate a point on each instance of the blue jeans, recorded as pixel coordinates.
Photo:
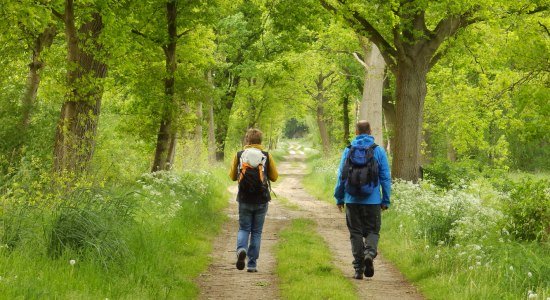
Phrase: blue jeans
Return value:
(251, 223)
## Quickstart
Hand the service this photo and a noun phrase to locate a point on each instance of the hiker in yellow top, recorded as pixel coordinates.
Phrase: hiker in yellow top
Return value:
(253, 168)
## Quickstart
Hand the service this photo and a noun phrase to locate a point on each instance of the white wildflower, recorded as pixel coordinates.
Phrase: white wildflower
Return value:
(529, 274)
(471, 268)
(531, 295)
(427, 247)
(511, 268)
(478, 263)
(72, 262)
(436, 256)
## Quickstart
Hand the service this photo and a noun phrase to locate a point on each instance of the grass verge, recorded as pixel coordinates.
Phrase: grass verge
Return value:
(160, 251)
(305, 268)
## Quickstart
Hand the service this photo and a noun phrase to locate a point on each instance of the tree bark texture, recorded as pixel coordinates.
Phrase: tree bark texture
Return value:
(371, 104)
(411, 91)
(166, 136)
(77, 125)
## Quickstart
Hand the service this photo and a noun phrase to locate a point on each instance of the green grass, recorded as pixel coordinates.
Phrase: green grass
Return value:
(444, 272)
(286, 203)
(305, 266)
(168, 243)
(321, 178)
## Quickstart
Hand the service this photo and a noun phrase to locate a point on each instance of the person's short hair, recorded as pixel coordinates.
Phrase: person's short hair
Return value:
(253, 136)
(363, 127)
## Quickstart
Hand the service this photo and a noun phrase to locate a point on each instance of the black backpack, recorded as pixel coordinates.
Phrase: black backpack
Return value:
(360, 171)
(253, 181)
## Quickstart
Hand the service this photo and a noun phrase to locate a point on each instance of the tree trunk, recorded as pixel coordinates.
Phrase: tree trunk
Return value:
(166, 137)
(198, 129)
(371, 104)
(44, 40)
(389, 116)
(223, 116)
(77, 126)
(345, 109)
(323, 132)
(211, 125)
(411, 91)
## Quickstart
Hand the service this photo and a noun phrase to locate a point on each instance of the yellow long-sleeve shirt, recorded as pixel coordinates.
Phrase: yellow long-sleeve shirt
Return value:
(272, 173)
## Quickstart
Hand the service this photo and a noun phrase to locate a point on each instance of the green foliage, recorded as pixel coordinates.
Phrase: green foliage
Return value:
(446, 174)
(528, 208)
(305, 267)
(294, 129)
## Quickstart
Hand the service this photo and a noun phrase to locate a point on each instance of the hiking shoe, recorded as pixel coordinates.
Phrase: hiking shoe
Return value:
(252, 270)
(369, 266)
(358, 274)
(241, 256)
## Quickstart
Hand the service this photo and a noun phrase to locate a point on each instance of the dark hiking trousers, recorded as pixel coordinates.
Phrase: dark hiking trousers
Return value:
(363, 222)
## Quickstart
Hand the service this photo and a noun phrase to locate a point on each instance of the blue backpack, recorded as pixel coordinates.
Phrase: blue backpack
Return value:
(360, 171)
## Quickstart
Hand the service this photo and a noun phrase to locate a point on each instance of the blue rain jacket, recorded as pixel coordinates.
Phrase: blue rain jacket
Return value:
(384, 181)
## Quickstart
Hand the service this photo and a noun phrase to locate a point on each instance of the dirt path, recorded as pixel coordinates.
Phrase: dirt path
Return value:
(224, 281)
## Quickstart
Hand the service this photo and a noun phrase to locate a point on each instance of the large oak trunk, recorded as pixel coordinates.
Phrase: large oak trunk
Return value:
(77, 126)
(166, 136)
(371, 104)
(411, 91)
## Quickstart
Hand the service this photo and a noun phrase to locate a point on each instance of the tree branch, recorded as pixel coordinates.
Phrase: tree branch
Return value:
(58, 14)
(183, 33)
(156, 41)
(362, 62)
(388, 51)
(545, 28)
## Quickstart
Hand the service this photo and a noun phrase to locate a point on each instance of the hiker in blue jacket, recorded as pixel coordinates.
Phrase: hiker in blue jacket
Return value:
(363, 211)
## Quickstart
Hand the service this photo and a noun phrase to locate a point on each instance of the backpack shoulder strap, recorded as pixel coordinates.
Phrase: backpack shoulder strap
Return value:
(266, 167)
(239, 154)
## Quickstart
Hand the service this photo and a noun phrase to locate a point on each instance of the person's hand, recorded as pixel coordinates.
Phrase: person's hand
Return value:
(340, 207)
(383, 206)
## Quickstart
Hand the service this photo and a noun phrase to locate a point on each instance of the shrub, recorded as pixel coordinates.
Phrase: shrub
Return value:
(91, 222)
(446, 174)
(528, 209)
